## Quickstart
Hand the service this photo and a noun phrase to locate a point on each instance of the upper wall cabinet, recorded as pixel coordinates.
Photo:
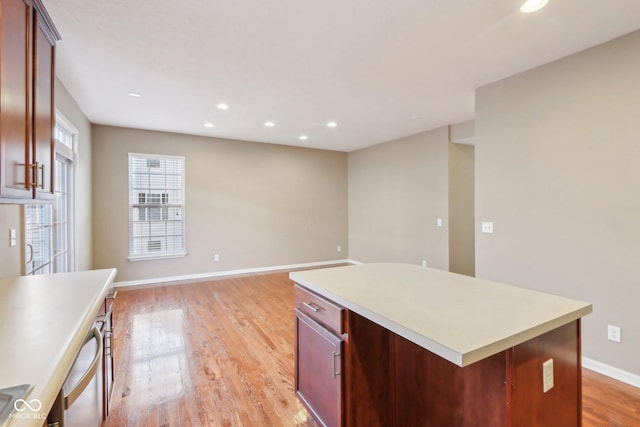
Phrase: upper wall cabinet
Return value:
(27, 55)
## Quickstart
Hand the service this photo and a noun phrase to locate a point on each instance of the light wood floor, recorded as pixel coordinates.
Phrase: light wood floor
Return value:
(220, 353)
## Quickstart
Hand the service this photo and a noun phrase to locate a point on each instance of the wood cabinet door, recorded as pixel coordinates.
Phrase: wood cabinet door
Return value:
(15, 104)
(43, 83)
(318, 371)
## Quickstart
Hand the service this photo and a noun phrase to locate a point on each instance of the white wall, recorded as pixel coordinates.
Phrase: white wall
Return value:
(256, 205)
(83, 215)
(397, 191)
(558, 172)
(461, 209)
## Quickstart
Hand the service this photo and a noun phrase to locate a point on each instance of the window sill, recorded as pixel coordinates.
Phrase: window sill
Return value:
(154, 257)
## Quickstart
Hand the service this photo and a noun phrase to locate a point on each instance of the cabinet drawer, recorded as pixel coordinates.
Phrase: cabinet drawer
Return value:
(319, 309)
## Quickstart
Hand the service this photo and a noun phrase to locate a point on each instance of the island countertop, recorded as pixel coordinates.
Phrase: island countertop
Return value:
(460, 318)
(43, 324)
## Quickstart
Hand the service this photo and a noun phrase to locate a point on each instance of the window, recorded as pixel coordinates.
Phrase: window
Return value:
(156, 206)
(63, 215)
(63, 210)
(49, 229)
(38, 238)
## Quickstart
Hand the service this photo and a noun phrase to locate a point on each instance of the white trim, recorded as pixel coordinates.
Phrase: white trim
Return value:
(227, 273)
(354, 262)
(65, 123)
(62, 121)
(611, 371)
(156, 156)
(152, 257)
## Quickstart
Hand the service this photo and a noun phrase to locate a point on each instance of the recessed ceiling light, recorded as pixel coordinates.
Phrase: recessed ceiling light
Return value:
(135, 94)
(303, 137)
(332, 124)
(533, 5)
(269, 124)
(222, 106)
(208, 125)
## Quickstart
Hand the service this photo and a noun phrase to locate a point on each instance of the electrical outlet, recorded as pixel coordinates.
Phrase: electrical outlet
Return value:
(547, 375)
(424, 262)
(439, 222)
(13, 237)
(339, 248)
(216, 257)
(613, 333)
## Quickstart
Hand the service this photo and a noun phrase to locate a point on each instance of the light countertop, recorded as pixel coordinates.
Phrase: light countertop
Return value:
(460, 318)
(43, 323)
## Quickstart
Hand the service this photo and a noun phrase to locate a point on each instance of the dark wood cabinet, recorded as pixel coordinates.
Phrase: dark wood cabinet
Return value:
(388, 380)
(27, 47)
(319, 376)
(15, 91)
(505, 389)
(319, 353)
(43, 109)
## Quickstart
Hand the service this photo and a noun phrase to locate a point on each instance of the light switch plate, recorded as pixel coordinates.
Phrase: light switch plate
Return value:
(13, 237)
(487, 227)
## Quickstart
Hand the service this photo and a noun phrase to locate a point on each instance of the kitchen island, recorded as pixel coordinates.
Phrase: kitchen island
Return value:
(408, 345)
(44, 321)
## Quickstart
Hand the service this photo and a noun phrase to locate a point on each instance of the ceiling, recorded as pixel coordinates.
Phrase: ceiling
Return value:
(381, 69)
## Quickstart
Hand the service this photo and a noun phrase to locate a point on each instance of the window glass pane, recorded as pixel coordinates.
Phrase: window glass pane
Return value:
(63, 136)
(62, 213)
(38, 238)
(156, 203)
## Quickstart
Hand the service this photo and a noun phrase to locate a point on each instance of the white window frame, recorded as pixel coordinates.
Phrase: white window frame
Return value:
(70, 154)
(134, 209)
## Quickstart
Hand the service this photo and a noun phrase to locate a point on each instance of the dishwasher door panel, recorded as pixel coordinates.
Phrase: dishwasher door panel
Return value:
(84, 409)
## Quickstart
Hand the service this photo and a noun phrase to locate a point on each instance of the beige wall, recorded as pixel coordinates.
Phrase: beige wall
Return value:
(397, 191)
(256, 205)
(557, 170)
(83, 239)
(461, 209)
(10, 257)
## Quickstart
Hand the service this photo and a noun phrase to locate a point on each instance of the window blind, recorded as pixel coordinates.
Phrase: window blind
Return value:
(156, 206)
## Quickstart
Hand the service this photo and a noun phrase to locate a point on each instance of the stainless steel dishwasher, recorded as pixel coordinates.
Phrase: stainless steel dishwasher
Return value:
(79, 402)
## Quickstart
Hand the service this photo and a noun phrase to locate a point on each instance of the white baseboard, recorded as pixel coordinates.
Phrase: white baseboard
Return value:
(192, 277)
(612, 372)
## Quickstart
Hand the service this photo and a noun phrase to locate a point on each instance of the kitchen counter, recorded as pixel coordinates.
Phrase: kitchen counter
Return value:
(461, 319)
(43, 324)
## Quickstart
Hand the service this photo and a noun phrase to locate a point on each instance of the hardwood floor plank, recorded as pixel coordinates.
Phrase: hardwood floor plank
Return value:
(216, 353)
(220, 353)
(607, 402)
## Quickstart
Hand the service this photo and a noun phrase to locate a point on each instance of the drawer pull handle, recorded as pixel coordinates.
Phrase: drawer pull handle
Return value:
(333, 363)
(38, 169)
(43, 177)
(312, 306)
